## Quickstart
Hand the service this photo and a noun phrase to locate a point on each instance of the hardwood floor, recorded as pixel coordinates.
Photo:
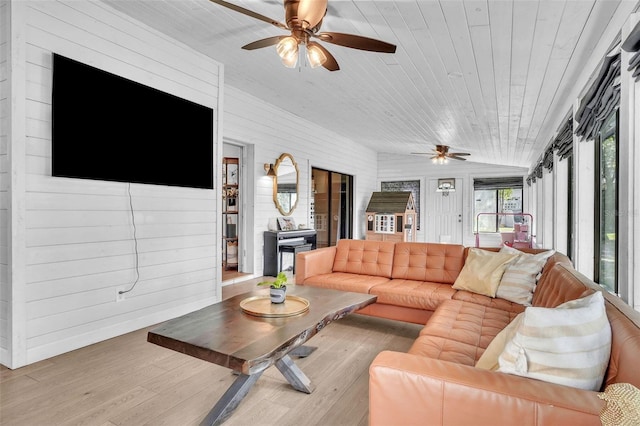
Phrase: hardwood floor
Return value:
(127, 381)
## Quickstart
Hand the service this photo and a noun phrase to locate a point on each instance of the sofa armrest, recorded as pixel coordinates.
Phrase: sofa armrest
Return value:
(407, 389)
(314, 262)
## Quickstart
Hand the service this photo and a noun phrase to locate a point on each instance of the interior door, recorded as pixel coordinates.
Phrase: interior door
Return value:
(444, 214)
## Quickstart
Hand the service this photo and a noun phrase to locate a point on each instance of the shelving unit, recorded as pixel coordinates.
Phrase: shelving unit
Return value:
(230, 211)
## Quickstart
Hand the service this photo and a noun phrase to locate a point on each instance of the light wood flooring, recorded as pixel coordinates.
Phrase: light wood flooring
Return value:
(127, 381)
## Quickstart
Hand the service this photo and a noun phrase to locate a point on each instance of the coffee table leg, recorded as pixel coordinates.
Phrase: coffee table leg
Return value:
(303, 351)
(294, 375)
(231, 399)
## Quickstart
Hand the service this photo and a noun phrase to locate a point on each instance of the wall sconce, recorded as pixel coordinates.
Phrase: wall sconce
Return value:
(268, 168)
(446, 185)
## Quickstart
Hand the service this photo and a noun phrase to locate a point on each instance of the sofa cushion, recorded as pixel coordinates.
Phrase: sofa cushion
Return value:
(519, 279)
(493, 302)
(346, 282)
(482, 271)
(467, 323)
(445, 350)
(412, 294)
(440, 263)
(567, 345)
(372, 258)
(489, 359)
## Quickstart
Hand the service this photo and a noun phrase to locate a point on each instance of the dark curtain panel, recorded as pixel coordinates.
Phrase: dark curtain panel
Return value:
(602, 98)
(563, 142)
(514, 182)
(632, 45)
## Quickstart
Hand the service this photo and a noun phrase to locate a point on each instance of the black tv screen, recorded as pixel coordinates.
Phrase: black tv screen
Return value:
(107, 127)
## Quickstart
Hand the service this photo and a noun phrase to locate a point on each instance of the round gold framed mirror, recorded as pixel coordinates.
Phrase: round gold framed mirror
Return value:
(285, 184)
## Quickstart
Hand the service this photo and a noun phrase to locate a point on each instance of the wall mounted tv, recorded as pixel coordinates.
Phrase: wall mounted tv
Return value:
(106, 127)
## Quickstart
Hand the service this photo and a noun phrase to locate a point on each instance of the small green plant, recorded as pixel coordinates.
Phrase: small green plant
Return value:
(280, 281)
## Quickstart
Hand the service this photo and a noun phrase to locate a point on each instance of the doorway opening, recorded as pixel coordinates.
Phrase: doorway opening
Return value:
(235, 192)
(331, 206)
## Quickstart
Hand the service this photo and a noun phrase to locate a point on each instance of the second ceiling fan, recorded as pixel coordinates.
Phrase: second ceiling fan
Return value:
(441, 154)
(303, 20)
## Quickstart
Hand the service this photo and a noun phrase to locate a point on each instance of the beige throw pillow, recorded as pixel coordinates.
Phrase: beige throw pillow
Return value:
(519, 279)
(482, 271)
(569, 345)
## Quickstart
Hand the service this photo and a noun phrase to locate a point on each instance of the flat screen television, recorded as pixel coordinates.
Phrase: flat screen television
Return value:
(107, 127)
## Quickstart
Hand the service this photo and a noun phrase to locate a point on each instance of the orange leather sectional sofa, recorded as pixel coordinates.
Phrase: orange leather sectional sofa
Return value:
(436, 382)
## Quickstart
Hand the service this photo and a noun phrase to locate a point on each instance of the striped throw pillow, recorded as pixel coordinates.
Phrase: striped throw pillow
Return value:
(519, 279)
(569, 345)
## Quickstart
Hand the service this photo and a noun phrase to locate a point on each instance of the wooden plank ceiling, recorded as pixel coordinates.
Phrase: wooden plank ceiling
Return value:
(489, 77)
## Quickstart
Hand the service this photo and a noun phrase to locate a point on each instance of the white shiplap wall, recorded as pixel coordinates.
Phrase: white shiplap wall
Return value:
(4, 180)
(78, 244)
(392, 167)
(272, 132)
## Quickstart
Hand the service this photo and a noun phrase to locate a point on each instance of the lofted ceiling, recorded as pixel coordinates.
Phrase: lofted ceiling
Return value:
(488, 77)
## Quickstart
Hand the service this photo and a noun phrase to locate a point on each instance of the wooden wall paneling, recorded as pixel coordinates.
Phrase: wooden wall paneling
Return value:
(411, 31)
(572, 22)
(522, 40)
(480, 33)
(547, 22)
(501, 33)
(463, 47)
(4, 181)
(78, 236)
(16, 351)
(273, 131)
(440, 52)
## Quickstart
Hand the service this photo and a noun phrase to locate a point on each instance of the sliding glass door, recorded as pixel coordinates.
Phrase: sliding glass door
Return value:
(332, 206)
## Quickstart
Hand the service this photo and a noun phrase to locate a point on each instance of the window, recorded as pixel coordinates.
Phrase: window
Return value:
(385, 223)
(606, 205)
(570, 209)
(496, 195)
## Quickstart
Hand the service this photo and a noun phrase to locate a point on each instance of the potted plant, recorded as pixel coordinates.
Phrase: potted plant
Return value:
(277, 288)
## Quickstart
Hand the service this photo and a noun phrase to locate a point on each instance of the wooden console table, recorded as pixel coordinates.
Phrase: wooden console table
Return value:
(224, 335)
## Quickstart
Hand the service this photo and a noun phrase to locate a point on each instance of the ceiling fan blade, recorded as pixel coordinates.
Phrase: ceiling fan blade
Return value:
(459, 153)
(453, 157)
(312, 11)
(357, 42)
(331, 64)
(250, 13)
(265, 42)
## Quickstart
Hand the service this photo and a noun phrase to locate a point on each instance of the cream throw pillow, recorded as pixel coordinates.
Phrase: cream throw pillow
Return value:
(519, 279)
(569, 345)
(489, 358)
(482, 271)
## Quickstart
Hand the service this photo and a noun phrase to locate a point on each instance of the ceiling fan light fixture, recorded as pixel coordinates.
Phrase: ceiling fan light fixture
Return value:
(315, 56)
(287, 49)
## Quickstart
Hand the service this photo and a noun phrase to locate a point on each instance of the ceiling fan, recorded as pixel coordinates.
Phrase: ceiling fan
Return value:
(303, 20)
(441, 154)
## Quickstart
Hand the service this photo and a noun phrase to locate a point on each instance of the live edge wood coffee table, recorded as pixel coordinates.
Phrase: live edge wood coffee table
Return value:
(226, 335)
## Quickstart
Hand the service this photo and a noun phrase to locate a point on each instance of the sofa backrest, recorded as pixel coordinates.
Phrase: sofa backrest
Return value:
(433, 262)
(625, 342)
(364, 257)
(559, 284)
